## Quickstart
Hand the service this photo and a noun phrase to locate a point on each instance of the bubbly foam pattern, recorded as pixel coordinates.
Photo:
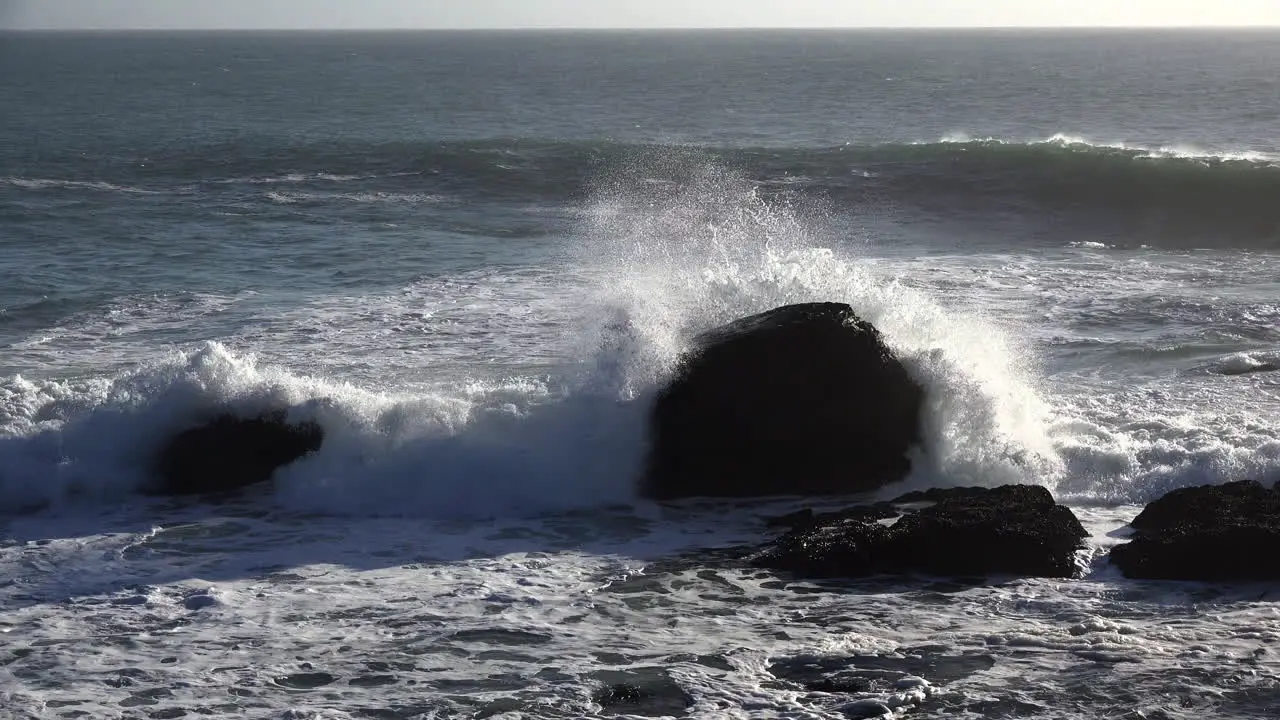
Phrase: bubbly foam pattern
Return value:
(234, 612)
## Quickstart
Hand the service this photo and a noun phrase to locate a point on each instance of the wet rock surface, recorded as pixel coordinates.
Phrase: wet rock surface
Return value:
(1010, 530)
(1211, 533)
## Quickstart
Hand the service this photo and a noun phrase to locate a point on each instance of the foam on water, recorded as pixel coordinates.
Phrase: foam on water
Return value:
(1068, 140)
(706, 247)
(487, 449)
(415, 618)
(668, 245)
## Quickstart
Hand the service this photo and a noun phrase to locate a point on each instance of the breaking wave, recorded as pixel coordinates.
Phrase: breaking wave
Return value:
(672, 243)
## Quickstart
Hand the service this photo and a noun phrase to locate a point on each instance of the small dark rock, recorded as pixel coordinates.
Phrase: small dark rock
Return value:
(146, 697)
(500, 706)
(1014, 529)
(1210, 533)
(305, 681)
(229, 453)
(800, 400)
(620, 694)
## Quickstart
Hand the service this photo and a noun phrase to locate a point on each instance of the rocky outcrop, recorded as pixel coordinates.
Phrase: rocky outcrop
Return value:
(961, 532)
(801, 400)
(229, 453)
(1212, 533)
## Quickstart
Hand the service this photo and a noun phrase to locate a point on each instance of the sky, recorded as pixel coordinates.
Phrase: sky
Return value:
(382, 14)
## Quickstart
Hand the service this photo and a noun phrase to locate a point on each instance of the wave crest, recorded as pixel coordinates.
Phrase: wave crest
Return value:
(1159, 196)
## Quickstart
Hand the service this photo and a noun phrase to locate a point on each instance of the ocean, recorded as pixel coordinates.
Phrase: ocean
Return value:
(472, 257)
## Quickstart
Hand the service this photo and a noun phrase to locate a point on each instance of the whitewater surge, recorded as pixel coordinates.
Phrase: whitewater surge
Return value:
(714, 251)
(487, 449)
(668, 244)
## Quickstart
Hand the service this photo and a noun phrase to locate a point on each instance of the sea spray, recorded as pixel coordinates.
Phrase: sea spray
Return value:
(685, 244)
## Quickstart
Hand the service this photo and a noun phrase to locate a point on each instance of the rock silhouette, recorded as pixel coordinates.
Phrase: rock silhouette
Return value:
(1010, 530)
(229, 453)
(800, 400)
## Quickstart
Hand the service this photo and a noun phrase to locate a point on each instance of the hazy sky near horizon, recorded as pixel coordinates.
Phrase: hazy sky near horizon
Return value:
(365, 14)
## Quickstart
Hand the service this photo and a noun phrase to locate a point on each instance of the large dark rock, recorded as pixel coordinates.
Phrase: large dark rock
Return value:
(800, 400)
(1212, 532)
(229, 453)
(1009, 530)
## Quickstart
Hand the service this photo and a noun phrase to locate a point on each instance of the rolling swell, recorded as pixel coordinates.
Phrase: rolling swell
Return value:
(1158, 197)
(1134, 195)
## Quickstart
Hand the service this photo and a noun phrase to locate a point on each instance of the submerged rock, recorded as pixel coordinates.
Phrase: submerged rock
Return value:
(229, 453)
(1211, 532)
(800, 400)
(1014, 529)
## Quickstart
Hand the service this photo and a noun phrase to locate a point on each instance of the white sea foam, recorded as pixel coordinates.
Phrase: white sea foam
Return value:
(1247, 362)
(486, 450)
(295, 178)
